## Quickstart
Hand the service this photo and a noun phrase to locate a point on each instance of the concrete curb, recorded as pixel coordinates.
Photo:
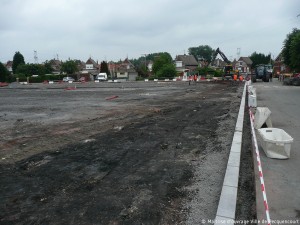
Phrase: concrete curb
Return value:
(228, 198)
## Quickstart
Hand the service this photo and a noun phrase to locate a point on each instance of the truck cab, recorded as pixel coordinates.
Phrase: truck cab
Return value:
(263, 72)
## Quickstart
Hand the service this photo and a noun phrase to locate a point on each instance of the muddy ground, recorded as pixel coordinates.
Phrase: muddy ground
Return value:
(119, 153)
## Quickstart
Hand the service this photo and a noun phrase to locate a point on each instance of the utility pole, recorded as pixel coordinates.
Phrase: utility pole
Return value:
(36, 60)
(238, 53)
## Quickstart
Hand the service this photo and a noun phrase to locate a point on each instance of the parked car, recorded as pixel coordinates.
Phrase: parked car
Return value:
(296, 79)
(67, 79)
(288, 81)
(292, 80)
(82, 79)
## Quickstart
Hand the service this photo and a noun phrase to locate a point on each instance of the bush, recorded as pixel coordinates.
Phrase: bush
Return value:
(21, 77)
(139, 78)
(38, 79)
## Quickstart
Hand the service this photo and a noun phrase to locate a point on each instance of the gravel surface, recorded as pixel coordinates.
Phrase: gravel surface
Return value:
(116, 153)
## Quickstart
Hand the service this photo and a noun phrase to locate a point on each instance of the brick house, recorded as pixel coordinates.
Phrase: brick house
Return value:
(123, 70)
(279, 66)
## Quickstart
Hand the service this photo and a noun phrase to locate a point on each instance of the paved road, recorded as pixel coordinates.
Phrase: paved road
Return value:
(282, 177)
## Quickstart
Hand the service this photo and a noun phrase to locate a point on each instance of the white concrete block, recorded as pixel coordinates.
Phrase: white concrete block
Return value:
(234, 159)
(231, 176)
(227, 203)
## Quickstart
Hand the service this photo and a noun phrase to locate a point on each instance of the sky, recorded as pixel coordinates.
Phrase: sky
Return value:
(116, 29)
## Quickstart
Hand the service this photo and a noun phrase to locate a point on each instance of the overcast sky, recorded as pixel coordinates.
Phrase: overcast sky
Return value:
(115, 29)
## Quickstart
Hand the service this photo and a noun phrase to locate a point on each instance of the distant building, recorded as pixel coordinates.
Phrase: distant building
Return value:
(185, 63)
(91, 67)
(218, 64)
(123, 70)
(56, 66)
(149, 65)
(244, 65)
(8, 66)
(279, 66)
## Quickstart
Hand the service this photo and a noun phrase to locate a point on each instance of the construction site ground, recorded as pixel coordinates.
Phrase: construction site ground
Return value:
(119, 153)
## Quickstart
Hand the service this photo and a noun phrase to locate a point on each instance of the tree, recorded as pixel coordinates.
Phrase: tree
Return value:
(295, 52)
(290, 51)
(104, 68)
(140, 64)
(160, 61)
(69, 67)
(204, 52)
(17, 60)
(4, 73)
(31, 69)
(48, 67)
(260, 58)
(167, 70)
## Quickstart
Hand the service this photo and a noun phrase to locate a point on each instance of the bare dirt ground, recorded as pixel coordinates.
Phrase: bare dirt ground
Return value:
(155, 153)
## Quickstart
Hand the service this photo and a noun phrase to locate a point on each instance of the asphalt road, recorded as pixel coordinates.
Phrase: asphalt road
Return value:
(281, 176)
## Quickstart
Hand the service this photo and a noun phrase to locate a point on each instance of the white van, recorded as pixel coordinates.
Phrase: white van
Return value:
(101, 77)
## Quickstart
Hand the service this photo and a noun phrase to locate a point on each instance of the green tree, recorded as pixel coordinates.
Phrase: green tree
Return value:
(31, 69)
(48, 67)
(295, 52)
(23, 69)
(167, 70)
(17, 60)
(204, 52)
(69, 67)
(291, 49)
(160, 61)
(140, 63)
(4, 73)
(260, 58)
(104, 68)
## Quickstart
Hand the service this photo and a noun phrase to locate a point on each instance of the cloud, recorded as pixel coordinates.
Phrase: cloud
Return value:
(113, 29)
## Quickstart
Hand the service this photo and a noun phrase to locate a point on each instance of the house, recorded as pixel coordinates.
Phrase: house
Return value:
(244, 65)
(56, 66)
(218, 64)
(123, 70)
(279, 66)
(149, 65)
(80, 65)
(8, 66)
(185, 63)
(91, 67)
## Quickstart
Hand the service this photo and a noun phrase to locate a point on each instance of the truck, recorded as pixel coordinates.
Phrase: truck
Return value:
(262, 72)
(101, 77)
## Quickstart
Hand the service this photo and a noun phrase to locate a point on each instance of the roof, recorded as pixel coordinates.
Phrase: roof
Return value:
(279, 57)
(188, 60)
(247, 60)
(218, 63)
(122, 66)
(9, 63)
(91, 61)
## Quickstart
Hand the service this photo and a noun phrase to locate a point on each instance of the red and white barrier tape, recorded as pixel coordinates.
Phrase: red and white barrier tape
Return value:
(262, 183)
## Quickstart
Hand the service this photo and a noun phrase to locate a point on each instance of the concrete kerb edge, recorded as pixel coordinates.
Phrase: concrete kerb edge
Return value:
(228, 198)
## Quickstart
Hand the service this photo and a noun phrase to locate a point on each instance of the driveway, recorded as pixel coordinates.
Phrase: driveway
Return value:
(281, 177)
